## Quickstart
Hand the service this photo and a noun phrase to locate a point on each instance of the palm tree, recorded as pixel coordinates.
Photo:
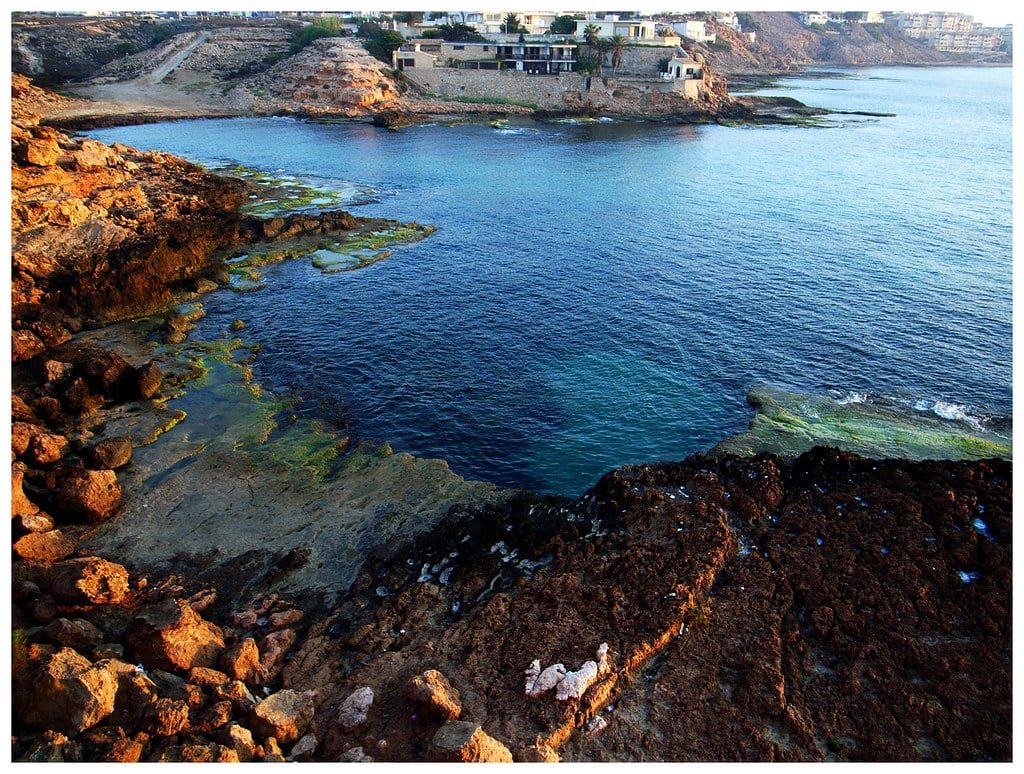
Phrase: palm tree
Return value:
(618, 46)
(590, 34)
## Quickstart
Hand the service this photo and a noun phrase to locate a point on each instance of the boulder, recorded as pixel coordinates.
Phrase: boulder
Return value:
(76, 397)
(433, 696)
(283, 715)
(107, 373)
(273, 649)
(90, 494)
(74, 633)
(20, 504)
(204, 676)
(303, 749)
(45, 547)
(353, 711)
(242, 661)
(46, 448)
(111, 453)
(66, 693)
(39, 152)
(88, 580)
(148, 379)
(459, 741)
(171, 635)
(166, 717)
(136, 693)
(25, 345)
(39, 522)
(239, 738)
(237, 693)
(20, 411)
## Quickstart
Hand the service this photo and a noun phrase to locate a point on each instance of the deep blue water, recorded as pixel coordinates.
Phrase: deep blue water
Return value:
(606, 293)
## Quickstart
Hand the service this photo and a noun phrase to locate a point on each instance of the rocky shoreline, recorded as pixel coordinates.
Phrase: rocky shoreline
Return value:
(182, 594)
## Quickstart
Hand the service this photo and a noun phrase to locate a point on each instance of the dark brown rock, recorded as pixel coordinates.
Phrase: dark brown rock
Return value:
(90, 494)
(148, 379)
(77, 634)
(66, 692)
(111, 453)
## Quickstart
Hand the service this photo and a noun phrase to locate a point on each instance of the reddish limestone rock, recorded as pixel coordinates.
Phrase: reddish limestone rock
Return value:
(25, 345)
(88, 581)
(46, 448)
(92, 494)
(166, 717)
(66, 692)
(434, 696)
(204, 676)
(45, 547)
(242, 661)
(171, 635)
(111, 453)
(465, 742)
(20, 504)
(283, 715)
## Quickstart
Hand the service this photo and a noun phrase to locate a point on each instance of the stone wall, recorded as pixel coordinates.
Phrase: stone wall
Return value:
(545, 91)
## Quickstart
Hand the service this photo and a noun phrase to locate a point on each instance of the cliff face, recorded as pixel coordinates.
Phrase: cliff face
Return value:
(331, 75)
(101, 231)
(782, 44)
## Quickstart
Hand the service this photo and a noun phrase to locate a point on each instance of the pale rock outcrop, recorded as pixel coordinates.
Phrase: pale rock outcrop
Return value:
(567, 685)
(353, 711)
(283, 715)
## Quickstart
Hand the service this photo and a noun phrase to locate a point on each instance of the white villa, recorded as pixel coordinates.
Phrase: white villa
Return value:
(610, 25)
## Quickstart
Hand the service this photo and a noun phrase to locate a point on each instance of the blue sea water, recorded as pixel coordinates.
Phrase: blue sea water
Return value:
(604, 293)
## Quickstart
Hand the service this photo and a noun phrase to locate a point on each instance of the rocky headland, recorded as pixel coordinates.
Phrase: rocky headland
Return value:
(199, 575)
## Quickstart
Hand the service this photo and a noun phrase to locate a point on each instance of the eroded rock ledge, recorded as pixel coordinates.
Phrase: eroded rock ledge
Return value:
(836, 608)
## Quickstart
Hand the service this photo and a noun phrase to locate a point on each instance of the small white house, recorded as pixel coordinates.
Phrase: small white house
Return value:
(695, 30)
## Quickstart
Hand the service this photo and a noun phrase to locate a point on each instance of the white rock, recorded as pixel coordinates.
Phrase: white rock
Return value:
(602, 659)
(352, 713)
(575, 683)
(546, 680)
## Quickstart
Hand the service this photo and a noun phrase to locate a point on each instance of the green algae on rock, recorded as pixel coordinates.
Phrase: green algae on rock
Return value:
(331, 254)
(789, 424)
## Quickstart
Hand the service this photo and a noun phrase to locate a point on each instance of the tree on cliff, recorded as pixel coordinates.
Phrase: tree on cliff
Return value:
(617, 45)
(380, 43)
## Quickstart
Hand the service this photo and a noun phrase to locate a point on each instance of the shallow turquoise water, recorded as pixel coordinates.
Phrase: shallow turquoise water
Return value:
(606, 293)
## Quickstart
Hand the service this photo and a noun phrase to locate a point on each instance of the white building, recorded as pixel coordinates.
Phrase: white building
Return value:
(695, 30)
(632, 29)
